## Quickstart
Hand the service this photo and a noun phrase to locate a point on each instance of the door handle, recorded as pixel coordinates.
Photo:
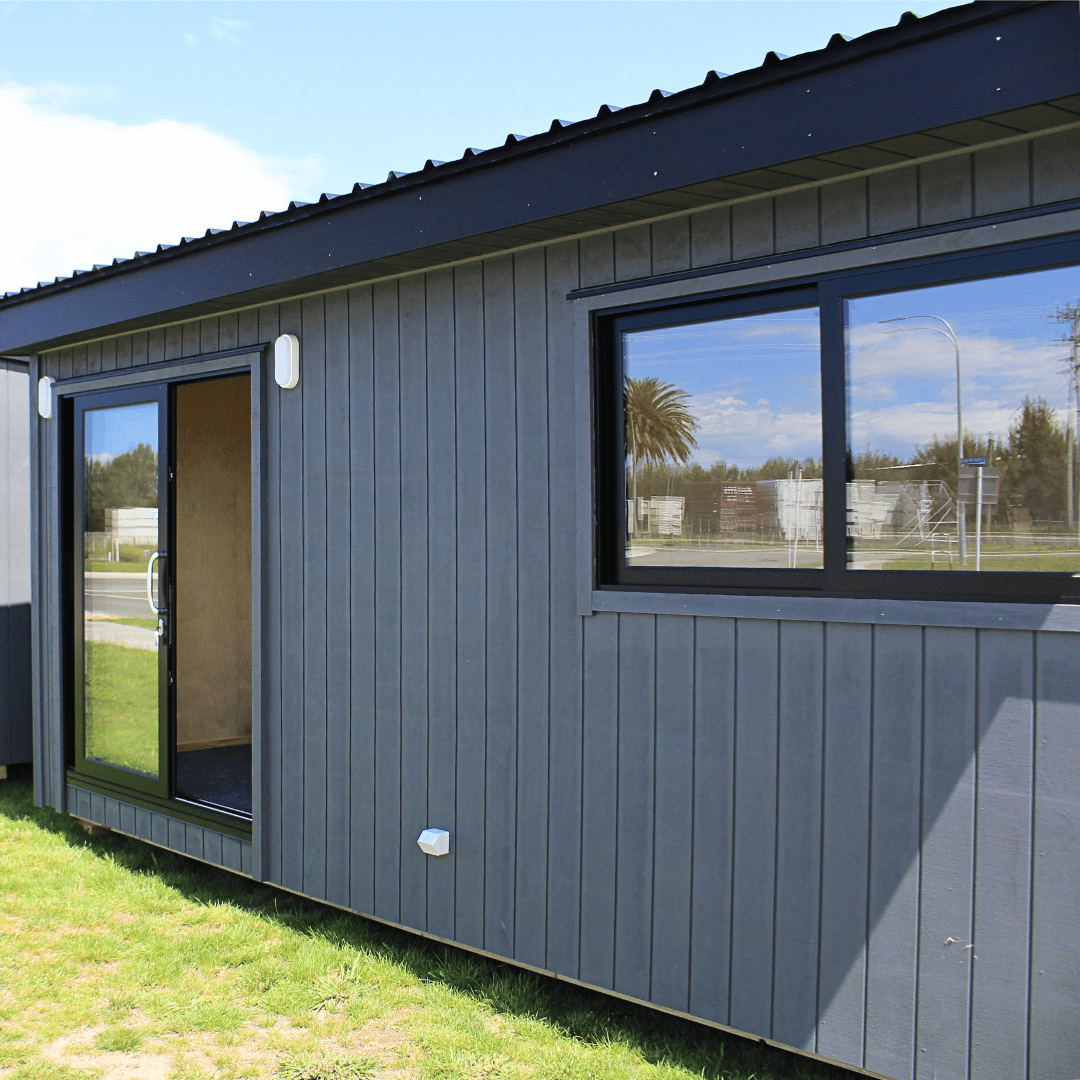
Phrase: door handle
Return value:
(150, 584)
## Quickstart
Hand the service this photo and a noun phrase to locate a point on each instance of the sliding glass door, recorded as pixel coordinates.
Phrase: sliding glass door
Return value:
(121, 590)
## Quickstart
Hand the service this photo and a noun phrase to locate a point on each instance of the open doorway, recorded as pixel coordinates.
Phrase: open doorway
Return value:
(212, 599)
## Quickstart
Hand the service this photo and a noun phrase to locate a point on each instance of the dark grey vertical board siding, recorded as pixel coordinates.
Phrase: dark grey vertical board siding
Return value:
(843, 210)
(798, 833)
(945, 190)
(247, 327)
(228, 327)
(209, 335)
(362, 608)
(338, 599)
(564, 701)
(754, 850)
(442, 592)
(313, 570)
(79, 360)
(1055, 166)
(673, 821)
(471, 500)
(796, 219)
(108, 354)
(93, 357)
(752, 229)
(155, 345)
(599, 797)
(671, 245)
(37, 669)
(414, 599)
(1054, 1047)
(634, 821)
(597, 259)
(845, 840)
(174, 342)
(633, 252)
(140, 349)
(1006, 717)
(893, 200)
(895, 786)
(712, 779)
(948, 827)
(191, 339)
(273, 637)
(500, 394)
(710, 237)
(293, 627)
(387, 509)
(1002, 178)
(533, 646)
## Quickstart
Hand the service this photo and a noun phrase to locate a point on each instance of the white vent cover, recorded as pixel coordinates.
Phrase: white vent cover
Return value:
(44, 397)
(287, 361)
(434, 841)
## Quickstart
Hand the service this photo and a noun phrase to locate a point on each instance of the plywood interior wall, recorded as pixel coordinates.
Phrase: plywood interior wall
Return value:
(213, 562)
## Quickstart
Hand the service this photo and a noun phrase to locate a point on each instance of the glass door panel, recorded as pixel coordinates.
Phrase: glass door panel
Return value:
(121, 636)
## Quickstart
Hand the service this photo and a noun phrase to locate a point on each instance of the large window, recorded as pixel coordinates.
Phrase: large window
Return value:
(907, 432)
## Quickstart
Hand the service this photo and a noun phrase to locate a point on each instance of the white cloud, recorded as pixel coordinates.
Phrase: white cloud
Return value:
(79, 190)
(227, 31)
(190, 39)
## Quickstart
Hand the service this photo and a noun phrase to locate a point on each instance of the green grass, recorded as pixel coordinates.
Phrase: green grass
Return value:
(146, 624)
(103, 566)
(109, 946)
(122, 706)
(1043, 562)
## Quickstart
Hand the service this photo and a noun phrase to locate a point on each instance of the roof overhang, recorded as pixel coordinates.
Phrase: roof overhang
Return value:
(925, 76)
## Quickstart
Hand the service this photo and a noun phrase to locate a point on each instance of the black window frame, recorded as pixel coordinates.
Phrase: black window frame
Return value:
(831, 290)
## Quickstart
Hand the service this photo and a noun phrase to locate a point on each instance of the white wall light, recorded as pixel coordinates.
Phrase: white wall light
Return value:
(287, 361)
(44, 397)
(434, 841)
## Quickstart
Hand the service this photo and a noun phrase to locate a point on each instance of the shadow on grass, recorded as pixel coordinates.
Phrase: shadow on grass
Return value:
(589, 1015)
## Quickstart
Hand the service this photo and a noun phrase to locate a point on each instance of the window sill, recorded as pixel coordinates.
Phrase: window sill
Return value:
(977, 615)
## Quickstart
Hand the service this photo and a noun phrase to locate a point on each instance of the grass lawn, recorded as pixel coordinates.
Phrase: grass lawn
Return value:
(119, 960)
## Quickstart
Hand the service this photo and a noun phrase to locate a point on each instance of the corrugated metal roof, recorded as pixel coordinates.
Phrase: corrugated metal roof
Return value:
(774, 66)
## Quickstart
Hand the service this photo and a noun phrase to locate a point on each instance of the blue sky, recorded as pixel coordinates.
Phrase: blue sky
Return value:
(135, 123)
(115, 431)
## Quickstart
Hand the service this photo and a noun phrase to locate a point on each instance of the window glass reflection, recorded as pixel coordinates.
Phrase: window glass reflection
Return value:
(120, 532)
(723, 442)
(962, 426)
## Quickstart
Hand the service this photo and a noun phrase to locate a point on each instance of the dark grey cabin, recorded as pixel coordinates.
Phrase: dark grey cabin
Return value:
(789, 744)
(15, 745)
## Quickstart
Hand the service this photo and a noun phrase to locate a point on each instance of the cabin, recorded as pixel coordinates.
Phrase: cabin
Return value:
(15, 748)
(669, 519)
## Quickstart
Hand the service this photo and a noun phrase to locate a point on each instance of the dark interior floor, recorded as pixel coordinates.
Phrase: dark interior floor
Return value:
(220, 775)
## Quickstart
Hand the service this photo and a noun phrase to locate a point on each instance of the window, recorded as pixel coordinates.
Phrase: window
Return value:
(907, 432)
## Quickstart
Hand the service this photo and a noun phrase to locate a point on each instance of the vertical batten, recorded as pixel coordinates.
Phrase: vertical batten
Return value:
(361, 548)
(471, 503)
(673, 817)
(338, 599)
(264, 327)
(798, 834)
(754, 850)
(314, 508)
(999, 998)
(565, 661)
(500, 794)
(533, 617)
(441, 612)
(293, 626)
(387, 510)
(713, 782)
(945, 888)
(635, 806)
(414, 598)
(845, 840)
(1054, 1040)
(600, 766)
(893, 908)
